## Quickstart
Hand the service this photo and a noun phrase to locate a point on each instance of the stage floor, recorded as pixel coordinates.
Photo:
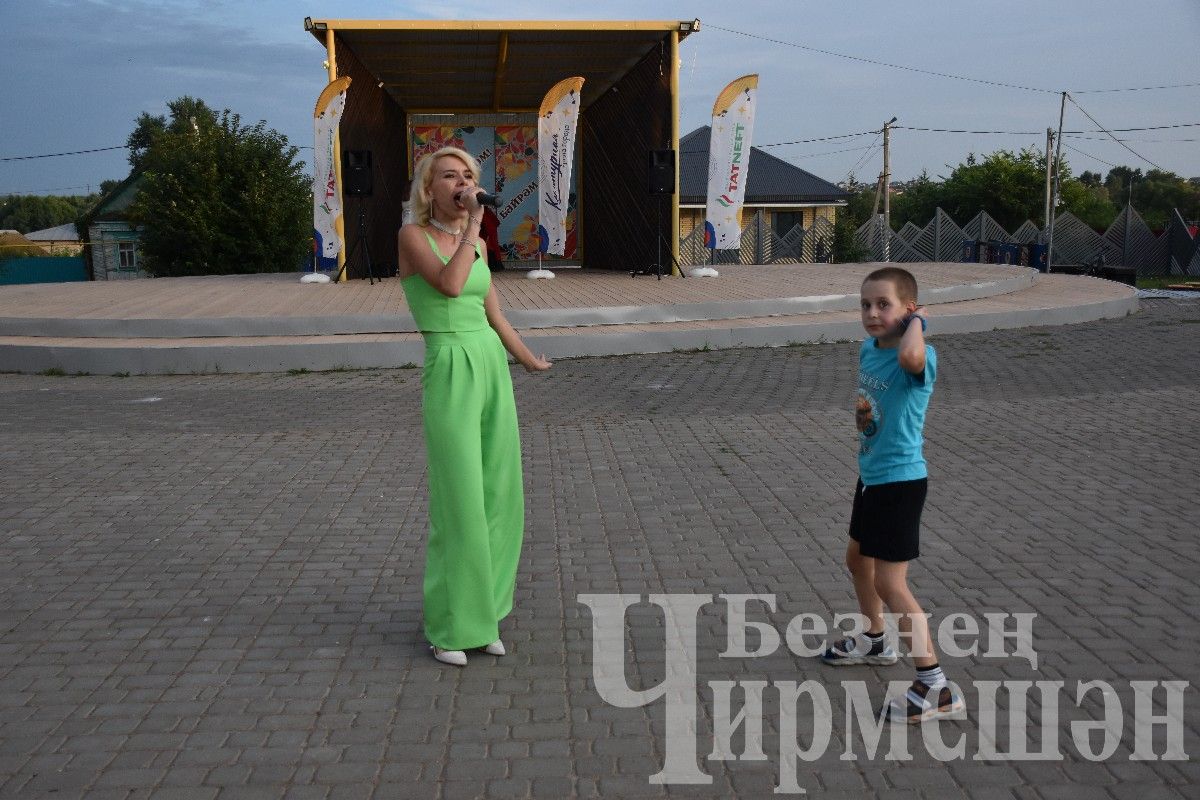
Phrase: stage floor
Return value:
(273, 322)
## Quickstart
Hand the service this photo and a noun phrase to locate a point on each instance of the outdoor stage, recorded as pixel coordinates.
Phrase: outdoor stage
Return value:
(265, 323)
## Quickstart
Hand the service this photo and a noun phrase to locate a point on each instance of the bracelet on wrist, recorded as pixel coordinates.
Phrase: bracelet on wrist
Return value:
(476, 220)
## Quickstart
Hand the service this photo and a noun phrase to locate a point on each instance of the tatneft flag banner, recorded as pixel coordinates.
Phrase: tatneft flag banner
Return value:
(728, 159)
(558, 120)
(327, 201)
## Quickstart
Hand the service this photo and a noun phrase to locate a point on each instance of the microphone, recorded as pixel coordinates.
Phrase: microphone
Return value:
(483, 198)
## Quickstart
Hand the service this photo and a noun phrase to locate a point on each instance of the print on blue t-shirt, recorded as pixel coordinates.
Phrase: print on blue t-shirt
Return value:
(890, 415)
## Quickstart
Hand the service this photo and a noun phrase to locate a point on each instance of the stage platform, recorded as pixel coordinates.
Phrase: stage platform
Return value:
(265, 323)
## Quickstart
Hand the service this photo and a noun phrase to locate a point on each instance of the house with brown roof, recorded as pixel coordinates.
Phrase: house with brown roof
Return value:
(787, 195)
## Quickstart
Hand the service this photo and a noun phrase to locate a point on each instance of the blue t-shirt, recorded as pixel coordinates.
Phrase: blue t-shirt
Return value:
(890, 415)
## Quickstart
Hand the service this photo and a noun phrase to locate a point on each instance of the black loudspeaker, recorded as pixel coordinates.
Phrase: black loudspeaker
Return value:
(356, 172)
(662, 172)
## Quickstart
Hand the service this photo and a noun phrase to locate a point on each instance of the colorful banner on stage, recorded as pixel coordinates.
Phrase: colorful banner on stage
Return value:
(558, 121)
(508, 156)
(516, 185)
(327, 199)
(728, 160)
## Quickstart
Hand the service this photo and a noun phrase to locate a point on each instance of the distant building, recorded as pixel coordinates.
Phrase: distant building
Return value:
(13, 244)
(787, 194)
(61, 239)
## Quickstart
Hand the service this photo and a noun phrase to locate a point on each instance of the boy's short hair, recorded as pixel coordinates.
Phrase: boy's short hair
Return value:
(903, 281)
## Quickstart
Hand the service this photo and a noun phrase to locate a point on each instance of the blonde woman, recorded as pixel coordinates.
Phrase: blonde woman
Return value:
(476, 497)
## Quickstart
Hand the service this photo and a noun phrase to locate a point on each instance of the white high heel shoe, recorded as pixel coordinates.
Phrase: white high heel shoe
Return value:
(455, 658)
(496, 648)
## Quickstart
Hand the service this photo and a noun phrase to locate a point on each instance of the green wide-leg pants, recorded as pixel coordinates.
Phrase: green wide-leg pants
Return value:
(476, 499)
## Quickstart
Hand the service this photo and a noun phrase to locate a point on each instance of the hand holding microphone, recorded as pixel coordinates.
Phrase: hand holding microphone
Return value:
(482, 198)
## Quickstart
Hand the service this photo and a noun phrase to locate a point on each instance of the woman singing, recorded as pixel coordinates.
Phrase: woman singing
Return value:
(476, 498)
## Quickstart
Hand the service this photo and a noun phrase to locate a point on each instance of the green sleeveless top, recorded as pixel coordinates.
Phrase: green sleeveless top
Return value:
(434, 311)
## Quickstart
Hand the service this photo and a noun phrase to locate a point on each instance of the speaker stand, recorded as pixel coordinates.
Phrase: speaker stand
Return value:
(361, 240)
(656, 269)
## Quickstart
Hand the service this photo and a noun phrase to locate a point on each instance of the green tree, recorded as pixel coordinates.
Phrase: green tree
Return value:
(849, 219)
(1009, 186)
(917, 203)
(1118, 180)
(1089, 203)
(216, 196)
(27, 212)
(186, 115)
(1157, 194)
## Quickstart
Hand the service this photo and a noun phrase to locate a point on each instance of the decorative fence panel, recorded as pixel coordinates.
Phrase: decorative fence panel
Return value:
(1128, 242)
(1075, 242)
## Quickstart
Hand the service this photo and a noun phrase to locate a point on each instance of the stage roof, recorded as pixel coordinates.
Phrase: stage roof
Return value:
(462, 66)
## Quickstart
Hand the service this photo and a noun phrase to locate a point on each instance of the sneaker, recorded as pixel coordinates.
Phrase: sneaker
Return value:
(455, 658)
(856, 650)
(916, 706)
(496, 648)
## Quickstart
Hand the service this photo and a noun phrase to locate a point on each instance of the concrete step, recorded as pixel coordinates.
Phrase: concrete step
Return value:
(1047, 300)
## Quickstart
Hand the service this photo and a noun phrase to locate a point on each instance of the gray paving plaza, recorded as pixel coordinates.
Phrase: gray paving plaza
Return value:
(210, 585)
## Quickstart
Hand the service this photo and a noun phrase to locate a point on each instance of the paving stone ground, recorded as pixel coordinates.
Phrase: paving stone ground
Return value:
(210, 585)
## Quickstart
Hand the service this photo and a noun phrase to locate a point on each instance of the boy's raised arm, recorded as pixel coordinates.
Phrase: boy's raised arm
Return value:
(912, 344)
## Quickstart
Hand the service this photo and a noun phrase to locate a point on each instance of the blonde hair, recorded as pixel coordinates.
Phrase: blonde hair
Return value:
(418, 196)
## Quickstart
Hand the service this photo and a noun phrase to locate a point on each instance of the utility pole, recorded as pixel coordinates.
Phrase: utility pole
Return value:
(887, 191)
(1049, 147)
(1054, 199)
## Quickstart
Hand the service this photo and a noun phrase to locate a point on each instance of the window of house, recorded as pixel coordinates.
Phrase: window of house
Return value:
(127, 256)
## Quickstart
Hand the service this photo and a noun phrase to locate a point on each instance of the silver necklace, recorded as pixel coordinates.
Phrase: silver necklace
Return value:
(444, 229)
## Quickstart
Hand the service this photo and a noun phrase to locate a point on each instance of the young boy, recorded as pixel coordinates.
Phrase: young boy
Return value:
(895, 380)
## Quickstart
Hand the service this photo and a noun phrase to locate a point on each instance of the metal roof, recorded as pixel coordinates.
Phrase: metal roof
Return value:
(458, 66)
(59, 233)
(771, 179)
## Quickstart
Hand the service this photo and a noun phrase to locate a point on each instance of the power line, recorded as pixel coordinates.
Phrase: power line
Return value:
(865, 157)
(1038, 133)
(1129, 130)
(801, 155)
(831, 152)
(880, 63)
(940, 74)
(47, 191)
(822, 139)
(1135, 89)
(1114, 138)
(959, 130)
(798, 141)
(1105, 139)
(1089, 155)
(72, 153)
(101, 150)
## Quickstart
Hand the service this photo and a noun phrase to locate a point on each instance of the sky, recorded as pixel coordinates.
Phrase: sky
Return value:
(81, 71)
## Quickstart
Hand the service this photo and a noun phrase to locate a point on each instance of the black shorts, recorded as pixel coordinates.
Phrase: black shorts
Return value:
(885, 519)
